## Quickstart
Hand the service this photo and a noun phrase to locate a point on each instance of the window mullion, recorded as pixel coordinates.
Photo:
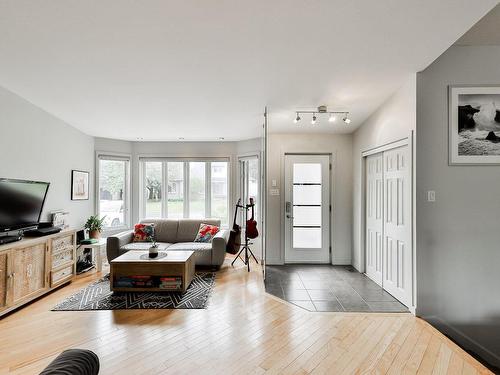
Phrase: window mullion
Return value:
(208, 189)
(164, 190)
(186, 189)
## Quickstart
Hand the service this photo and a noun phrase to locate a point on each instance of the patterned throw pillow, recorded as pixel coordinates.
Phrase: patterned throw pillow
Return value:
(144, 232)
(206, 233)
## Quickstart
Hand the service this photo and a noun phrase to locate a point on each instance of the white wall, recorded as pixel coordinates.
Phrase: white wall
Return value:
(35, 145)
(340, 146)
(392, 121)
(458, 255)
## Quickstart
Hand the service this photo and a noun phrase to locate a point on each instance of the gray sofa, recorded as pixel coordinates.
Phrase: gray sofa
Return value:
(172, 235)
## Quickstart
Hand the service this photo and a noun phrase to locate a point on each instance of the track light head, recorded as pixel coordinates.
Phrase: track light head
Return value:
(313, 121)
(332, 118)
(346, 119)
(297, 118)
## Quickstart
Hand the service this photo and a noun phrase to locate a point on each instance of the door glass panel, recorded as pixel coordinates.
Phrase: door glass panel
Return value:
(307, 173)
(197, 189)
(307, 209)
(153, 188)
(307, 216)
(307, 238)
(175, 189)
(306, 194)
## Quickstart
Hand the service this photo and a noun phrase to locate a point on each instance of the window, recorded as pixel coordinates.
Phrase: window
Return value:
(249, 183)
(113, 191)
(175, 196)
(195, 189)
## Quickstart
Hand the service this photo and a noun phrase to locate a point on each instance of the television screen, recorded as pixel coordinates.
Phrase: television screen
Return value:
(21, 203)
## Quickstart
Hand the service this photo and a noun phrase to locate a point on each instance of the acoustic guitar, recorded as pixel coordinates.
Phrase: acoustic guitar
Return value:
(234, 242)
(251, 229)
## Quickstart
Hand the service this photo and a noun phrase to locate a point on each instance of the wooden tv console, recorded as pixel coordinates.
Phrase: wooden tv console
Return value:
(34, 266)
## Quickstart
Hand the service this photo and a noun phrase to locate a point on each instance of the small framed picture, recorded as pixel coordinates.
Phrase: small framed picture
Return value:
(79, 185)
(474, 125)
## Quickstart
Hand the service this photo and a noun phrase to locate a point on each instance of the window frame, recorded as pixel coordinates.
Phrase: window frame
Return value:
(186, 182)
(242, 183)
(126, 193)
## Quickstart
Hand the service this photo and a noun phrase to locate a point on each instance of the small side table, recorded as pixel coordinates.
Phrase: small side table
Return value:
(99, 249)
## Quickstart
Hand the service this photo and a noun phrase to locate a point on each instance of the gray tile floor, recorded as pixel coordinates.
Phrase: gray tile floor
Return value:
(329, 288)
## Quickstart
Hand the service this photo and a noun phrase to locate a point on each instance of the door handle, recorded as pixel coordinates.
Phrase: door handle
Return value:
(289, 217)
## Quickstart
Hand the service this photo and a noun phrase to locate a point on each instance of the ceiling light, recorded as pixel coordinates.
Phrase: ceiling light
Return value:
(321, 112)
(181, 138)
(221, 138)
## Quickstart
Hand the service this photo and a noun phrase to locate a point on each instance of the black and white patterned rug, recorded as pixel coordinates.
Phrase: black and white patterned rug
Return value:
(98, 296)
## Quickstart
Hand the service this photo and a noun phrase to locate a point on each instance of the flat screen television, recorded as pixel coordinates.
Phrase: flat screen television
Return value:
(21, 203)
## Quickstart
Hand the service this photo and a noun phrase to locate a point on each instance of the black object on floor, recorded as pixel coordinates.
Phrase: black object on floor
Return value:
(98, 296)
(329, 288)
(73, 362)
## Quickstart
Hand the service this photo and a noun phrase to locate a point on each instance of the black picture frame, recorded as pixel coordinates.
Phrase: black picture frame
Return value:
(80, 183)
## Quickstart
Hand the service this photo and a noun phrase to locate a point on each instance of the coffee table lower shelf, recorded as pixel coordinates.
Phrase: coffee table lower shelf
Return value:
(133, 265)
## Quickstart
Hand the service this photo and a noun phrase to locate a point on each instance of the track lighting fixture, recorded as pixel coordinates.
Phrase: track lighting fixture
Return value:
(322, 109)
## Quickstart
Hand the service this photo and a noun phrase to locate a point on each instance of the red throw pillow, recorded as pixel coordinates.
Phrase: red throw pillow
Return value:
(144, 232)
(206, 232)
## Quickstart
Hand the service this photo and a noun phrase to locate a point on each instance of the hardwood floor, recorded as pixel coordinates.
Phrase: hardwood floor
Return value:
(243, 331)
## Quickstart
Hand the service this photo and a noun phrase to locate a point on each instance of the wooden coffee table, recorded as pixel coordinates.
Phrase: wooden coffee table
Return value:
(138, 267)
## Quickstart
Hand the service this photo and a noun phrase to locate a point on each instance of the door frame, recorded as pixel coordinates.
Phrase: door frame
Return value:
(242, 157)
(330, 201)
(409, 141)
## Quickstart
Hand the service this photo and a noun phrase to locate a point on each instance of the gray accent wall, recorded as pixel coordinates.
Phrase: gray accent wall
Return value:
(458, 236)
(35, 145)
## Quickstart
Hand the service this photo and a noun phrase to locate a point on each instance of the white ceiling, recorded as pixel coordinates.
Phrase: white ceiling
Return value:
(203, 69)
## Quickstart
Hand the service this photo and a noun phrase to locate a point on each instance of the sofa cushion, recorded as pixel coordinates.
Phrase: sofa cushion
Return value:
(206, 232)
(144, 246)
(144, 232)
(165, 229)
(188, 228)
(191, 246)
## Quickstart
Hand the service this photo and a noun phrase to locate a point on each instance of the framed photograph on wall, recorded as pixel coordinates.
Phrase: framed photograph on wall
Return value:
(79, 185)
(474, 125)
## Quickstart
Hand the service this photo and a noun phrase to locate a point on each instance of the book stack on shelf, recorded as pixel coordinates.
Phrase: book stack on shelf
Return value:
(170, 283)
(135, 282)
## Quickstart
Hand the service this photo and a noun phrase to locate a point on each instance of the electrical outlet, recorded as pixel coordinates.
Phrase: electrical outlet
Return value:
(431, 196)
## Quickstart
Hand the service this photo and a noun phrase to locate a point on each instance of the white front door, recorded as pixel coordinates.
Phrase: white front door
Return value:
(307, 208)
(398, 260)
(374, 220)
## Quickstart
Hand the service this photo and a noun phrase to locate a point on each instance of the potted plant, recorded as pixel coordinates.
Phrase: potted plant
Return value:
(153, 249)
(94, 226)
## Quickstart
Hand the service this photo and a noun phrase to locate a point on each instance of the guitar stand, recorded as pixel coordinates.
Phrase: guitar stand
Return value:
(246, 247)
